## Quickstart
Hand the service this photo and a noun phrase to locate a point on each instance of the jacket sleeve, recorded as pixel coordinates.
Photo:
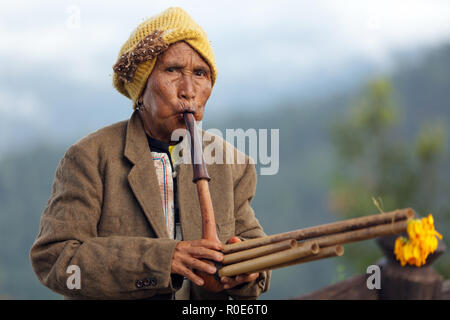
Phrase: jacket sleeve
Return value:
(116, 267)
(248, 227)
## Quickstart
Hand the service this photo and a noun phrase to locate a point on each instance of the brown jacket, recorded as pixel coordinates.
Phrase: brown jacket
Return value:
(105, 216)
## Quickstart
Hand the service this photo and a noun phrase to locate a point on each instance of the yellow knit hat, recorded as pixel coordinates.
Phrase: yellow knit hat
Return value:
(137, 57)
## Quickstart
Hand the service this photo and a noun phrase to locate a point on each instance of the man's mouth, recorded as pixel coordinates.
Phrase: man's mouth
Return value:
(188, 109)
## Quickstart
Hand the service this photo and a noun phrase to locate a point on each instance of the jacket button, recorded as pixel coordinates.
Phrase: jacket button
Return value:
(146, 282)
(139, 284)
(153, 282)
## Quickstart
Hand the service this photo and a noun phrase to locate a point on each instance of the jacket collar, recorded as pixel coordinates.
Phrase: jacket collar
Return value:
(136, 144)
(142, 176)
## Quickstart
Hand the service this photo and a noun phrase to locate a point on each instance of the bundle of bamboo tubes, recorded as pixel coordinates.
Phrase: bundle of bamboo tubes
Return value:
(309, 244)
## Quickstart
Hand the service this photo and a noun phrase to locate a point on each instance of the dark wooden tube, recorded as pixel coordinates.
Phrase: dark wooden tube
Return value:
(201, 178)
(198, 161)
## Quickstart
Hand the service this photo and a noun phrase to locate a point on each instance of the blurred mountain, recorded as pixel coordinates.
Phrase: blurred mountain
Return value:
(294, 198)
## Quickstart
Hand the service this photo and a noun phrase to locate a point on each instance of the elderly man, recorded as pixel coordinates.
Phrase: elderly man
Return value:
(123, 212)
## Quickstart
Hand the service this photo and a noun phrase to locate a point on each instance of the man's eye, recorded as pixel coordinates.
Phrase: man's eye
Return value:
(200, 73)
(171, 69)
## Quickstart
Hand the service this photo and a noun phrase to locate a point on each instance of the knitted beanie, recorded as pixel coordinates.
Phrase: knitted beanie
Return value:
(137, 57)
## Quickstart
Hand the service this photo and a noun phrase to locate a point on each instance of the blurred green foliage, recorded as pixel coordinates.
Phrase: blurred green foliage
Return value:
(374, 160)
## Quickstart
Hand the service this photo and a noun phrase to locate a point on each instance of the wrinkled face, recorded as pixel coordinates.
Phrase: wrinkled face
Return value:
(180, 80)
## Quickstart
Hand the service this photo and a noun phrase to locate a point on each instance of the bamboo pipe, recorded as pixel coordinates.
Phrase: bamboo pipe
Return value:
(258, 252)
(328, 252)
(208, 220)
(255, 265)
(336, 240)
(201, 179)
(362, 234)
(322, 230)
(250, 266)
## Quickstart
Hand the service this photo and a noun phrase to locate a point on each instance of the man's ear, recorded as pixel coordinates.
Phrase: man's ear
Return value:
(140, 103)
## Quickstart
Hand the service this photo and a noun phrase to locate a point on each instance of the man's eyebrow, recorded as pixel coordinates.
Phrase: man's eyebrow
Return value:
(177, 64)
(173, 64)
(202, 68)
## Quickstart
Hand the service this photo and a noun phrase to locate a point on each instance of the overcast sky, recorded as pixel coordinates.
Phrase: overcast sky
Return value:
(81, 38)
(264, 49)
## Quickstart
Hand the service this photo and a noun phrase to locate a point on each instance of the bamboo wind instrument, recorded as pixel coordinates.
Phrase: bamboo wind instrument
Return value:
(314, 243)
(267, 261)
(283, 249)
(201, 179)
(257, 252)
(387, 218)
(334, 251)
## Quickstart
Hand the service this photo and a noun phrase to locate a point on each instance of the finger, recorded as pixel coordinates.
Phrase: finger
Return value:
(233, 240)
(181, 269)
(210, 244)
(204, 253)
(196, 264)
(241, 278)
(225, 280)
(193, 277)
(229, 282)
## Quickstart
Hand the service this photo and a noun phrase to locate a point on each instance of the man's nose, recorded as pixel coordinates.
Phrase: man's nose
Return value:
(186, 90)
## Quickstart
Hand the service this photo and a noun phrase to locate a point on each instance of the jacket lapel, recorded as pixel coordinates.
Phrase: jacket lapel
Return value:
(142, 176)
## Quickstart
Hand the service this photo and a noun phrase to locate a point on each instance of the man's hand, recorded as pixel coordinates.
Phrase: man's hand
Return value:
(188, 254)
(231, 282)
